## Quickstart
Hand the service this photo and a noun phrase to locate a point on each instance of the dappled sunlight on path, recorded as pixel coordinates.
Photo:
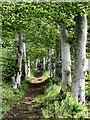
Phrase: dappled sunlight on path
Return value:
(37, 78)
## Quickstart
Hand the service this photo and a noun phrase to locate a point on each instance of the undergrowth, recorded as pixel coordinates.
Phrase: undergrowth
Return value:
(68, 108)
(59, 105)
(87, 86)
(45, 75)
(10, 96)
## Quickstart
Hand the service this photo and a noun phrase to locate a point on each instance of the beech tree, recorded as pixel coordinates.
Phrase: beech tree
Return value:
(44, 63)
(18, 71)
(25, 63)
(66, 57)
(62, 16)
(28, 69)
(51, 64)
(78, 83)
(58, 57)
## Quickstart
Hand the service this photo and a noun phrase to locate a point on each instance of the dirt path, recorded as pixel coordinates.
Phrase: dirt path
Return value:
(38, 78)
(25, 108)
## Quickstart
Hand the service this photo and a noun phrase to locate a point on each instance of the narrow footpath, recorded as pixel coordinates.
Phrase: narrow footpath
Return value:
(25, 108)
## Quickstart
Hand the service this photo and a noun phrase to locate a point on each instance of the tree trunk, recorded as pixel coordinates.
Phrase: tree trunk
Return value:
(49, 60)
(78, 83)
(44, 63)
(19, 61)
(46, 66)
(28, 73)
(54, 70)
(25, 64)
(57, 72)
(66, 58)
(37, 61)
(50, 65)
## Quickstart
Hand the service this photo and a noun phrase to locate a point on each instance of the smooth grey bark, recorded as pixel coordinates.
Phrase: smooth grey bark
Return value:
(17, 79)
(54, 71)
(14, 82)
(51, 65)
(89, 64)
(28, 70)
(57, 67)
(78, 82)
(44, 63)
(37, 61)
(66, 57)
(49, 60)
(25, 63)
